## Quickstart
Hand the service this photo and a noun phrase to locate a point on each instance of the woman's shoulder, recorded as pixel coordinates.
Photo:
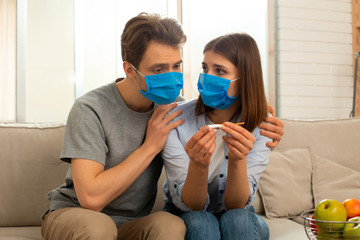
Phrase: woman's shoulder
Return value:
(188, 108)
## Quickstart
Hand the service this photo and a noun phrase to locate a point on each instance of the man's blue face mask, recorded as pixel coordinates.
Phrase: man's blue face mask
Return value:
(162, 88)
(214, 91)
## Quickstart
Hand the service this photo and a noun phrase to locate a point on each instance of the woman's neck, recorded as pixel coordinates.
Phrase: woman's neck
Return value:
(218, 116)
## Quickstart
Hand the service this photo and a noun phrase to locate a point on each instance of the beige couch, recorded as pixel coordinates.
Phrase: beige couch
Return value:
(315, 160)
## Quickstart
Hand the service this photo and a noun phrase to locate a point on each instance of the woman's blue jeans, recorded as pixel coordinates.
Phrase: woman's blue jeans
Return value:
(233, 224)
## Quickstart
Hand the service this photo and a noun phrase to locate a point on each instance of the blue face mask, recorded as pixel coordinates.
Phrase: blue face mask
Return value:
(214, 91)
(162, 88)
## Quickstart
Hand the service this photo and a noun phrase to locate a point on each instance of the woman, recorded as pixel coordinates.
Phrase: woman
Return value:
(212, 175)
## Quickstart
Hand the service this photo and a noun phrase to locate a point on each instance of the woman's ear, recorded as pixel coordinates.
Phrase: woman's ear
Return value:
(129, 70)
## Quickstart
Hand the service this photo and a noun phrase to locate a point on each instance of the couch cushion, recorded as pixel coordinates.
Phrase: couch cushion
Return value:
(285, 185)
(30, 168)
(334, 181)
(20, 233)
(285, 229)
(337, 140)
(258, 203)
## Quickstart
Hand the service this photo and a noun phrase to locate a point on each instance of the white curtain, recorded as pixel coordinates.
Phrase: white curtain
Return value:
(7, 60)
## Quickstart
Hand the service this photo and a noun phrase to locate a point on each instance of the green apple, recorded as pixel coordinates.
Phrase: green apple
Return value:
(330, 210)
(352, 228)
(329, 235)
(323, 235)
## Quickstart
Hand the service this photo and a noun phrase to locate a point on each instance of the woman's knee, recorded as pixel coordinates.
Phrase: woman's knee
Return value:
(237, 216)
(197, 218)
(242, 222)
(201, 225)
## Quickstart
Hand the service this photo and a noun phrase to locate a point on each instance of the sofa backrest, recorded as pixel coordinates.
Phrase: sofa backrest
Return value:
(337, 140)
(29, 168)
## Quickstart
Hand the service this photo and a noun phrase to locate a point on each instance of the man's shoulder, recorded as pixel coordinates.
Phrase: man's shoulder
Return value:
(97, 95)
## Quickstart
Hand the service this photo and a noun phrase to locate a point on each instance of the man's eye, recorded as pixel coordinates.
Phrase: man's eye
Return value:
(205, 69)
(158, 70)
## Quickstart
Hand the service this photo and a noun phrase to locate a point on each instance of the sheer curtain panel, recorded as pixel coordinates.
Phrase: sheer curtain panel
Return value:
(7, 60)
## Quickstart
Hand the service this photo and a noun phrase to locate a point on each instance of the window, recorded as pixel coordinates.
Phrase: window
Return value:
(67, 48)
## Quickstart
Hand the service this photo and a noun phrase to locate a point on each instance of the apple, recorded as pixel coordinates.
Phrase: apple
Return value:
(329, 235)
(352, 206)
(323, 235)
(352, 229)
(330, 210)
(314, 228)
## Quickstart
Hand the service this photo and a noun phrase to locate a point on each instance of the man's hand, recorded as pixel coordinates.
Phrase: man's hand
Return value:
(273, 128)
(159, 127)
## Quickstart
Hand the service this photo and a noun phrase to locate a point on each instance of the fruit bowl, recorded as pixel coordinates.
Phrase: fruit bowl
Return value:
(313, 232)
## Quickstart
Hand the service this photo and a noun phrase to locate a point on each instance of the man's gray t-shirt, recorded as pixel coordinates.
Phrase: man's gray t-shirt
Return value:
(100, 127)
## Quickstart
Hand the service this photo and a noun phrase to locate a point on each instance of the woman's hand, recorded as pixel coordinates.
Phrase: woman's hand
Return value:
(273, 128)
(240, 142)
(201, 147)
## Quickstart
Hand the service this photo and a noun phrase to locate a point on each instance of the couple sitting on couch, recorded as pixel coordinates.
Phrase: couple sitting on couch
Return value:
(115, 134)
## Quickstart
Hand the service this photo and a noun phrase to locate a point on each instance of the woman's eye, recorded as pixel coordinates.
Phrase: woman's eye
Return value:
(220, 71)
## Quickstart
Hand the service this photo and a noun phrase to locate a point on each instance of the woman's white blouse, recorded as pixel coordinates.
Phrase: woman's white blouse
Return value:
(176, 162)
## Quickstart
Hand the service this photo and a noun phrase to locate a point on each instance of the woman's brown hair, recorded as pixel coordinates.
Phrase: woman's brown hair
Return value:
(142, 29)
(242, 51)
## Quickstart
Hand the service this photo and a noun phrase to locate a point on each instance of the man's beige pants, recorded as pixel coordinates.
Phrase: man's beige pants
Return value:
(80, 223)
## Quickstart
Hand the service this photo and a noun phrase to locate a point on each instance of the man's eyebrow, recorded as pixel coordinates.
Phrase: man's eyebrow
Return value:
(164, 65)
(159, 65)
(179, 62)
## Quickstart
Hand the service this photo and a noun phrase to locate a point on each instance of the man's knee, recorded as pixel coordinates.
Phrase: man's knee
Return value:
(77, 223)
(167, 223)
(102, 227)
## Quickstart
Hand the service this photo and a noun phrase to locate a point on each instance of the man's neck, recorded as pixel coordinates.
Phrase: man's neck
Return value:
(132, 97)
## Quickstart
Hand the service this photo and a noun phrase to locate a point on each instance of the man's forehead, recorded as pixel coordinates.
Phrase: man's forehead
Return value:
(160, 54)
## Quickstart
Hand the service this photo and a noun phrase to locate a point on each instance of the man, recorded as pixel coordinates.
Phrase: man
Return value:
(113, 138)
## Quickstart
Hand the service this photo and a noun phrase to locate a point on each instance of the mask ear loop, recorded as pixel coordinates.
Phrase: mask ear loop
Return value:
(238, 94)
(135, 79)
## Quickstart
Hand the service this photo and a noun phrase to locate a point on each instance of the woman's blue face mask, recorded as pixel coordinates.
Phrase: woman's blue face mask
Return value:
(162, 88)
(214, 91)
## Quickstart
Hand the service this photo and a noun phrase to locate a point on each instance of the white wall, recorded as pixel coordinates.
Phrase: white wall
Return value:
(205, 20)
(67, 48)
(98, 28)
(47, 79)
(313, 58)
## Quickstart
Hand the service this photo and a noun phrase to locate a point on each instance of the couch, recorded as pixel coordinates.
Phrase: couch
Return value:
(315, 160)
